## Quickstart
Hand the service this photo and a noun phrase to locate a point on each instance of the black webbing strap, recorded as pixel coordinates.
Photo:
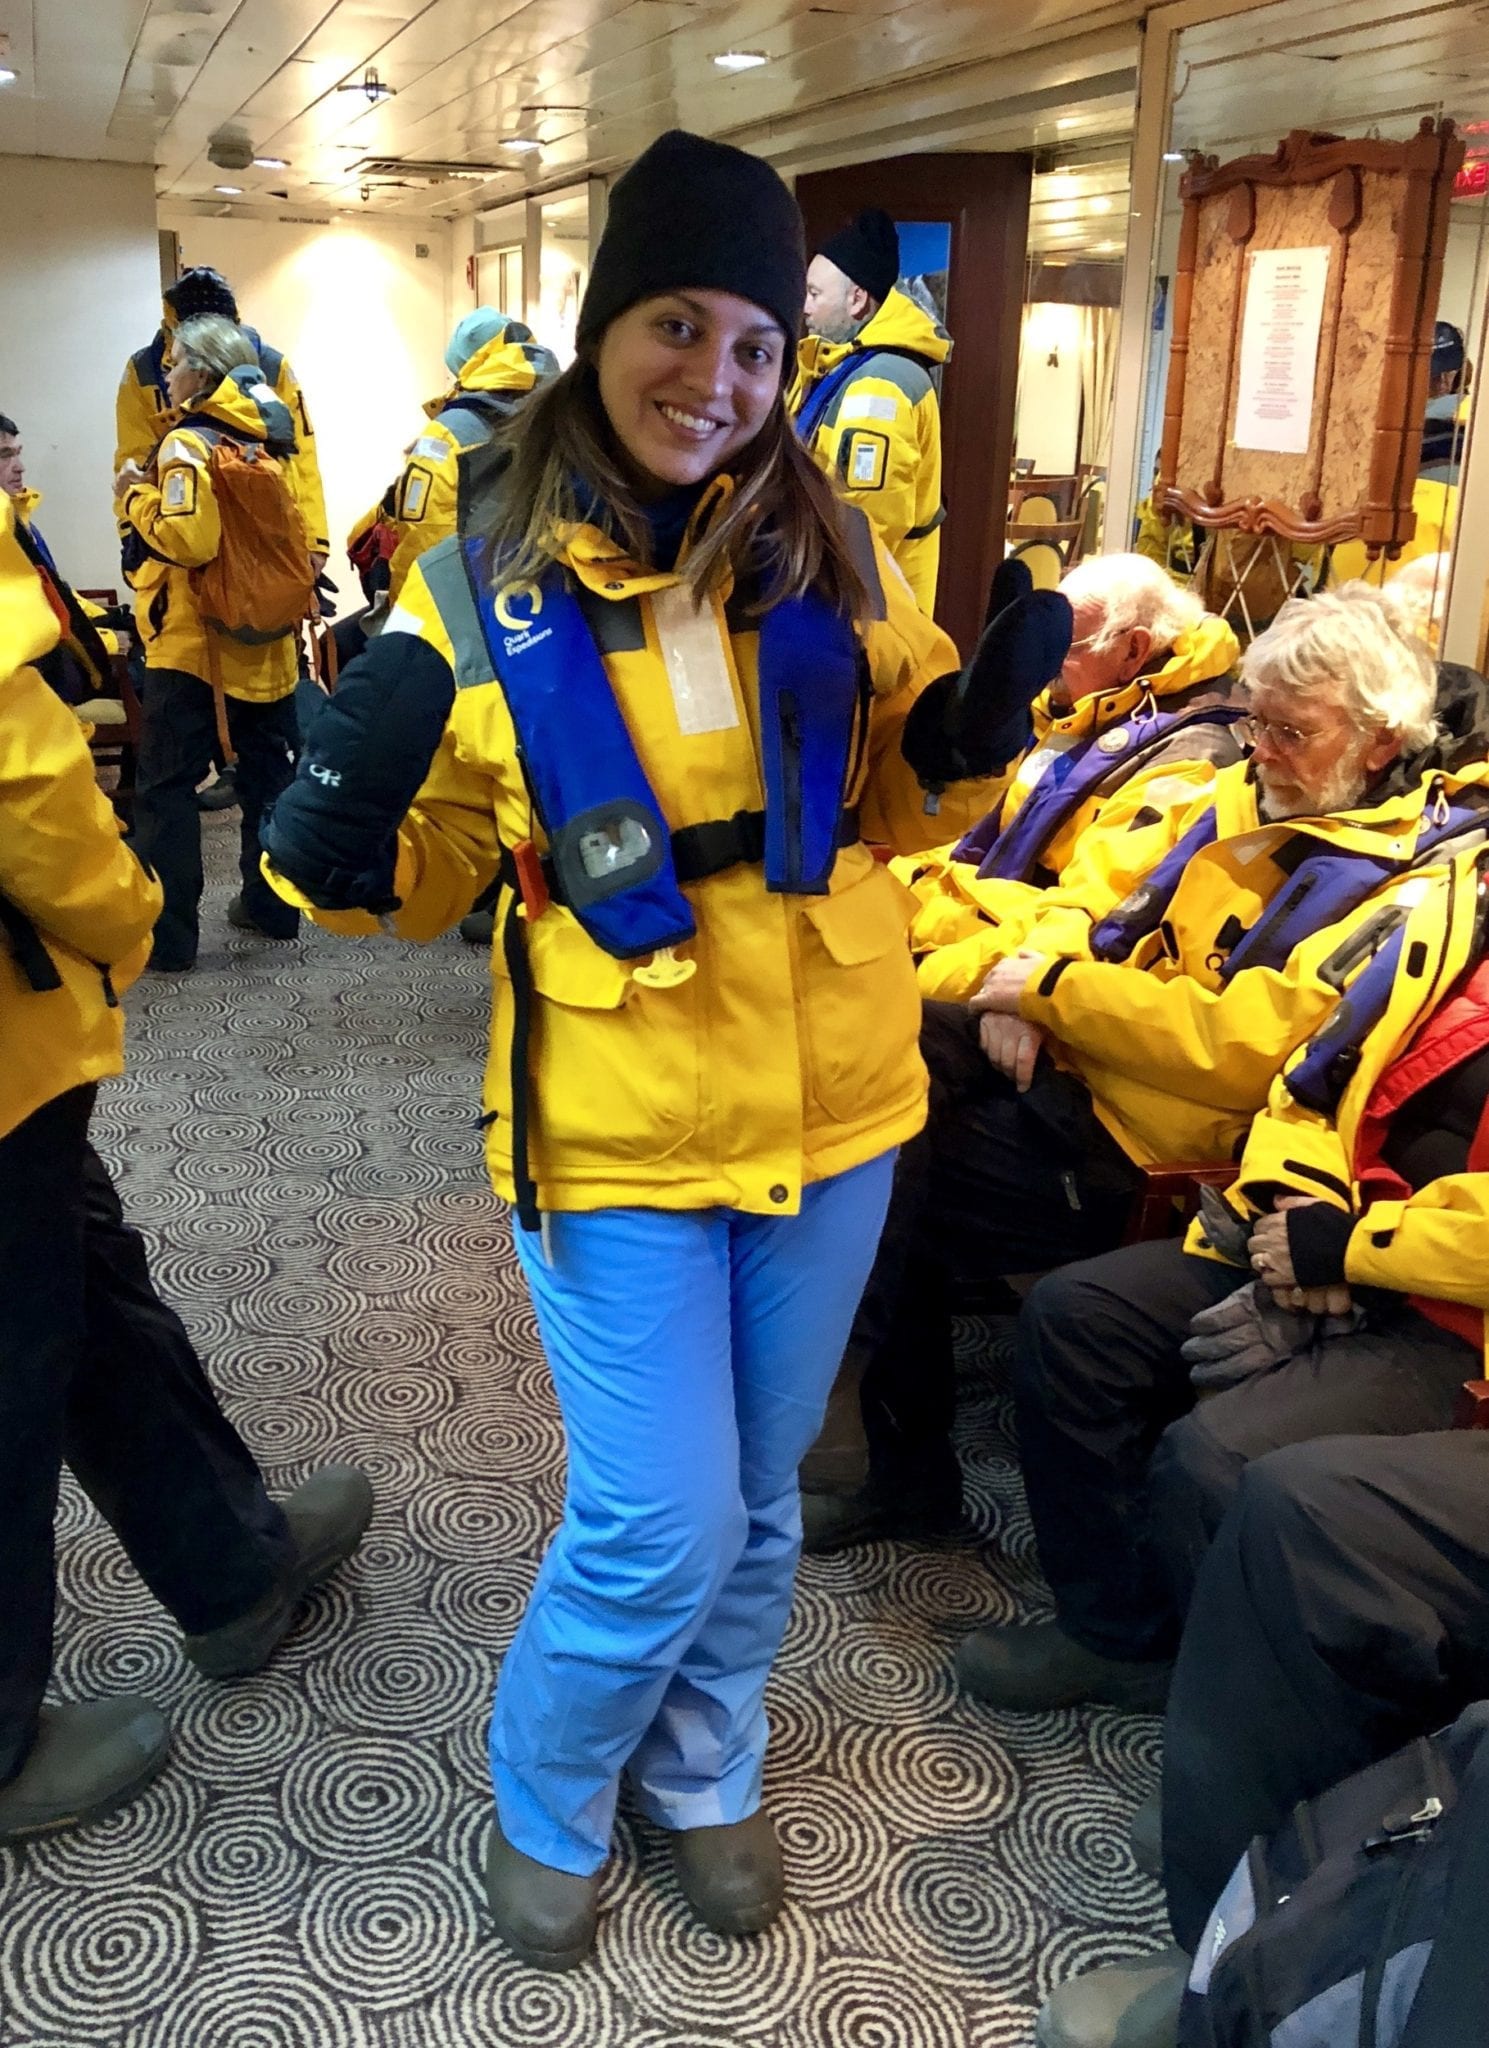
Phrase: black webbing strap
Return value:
(32, 957)
(514, 951)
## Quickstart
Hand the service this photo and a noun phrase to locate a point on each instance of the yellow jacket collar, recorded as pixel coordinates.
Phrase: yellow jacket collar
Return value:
(1201, 656)
(899, 323)
(603, 565)
(497, 365)
(230, 406)
(26, 502)
(1387, 828)
(28, 625)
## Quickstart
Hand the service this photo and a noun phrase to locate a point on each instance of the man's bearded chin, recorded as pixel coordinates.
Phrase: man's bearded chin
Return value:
(1340, 791)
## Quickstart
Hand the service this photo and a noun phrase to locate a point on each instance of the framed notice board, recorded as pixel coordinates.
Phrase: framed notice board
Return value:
(1304, 300)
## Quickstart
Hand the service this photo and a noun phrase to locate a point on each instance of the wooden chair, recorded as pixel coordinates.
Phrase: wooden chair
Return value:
(1168, 1201)
(1060, 492)
(1088, 521)
(1034, 509)
(1043, 560)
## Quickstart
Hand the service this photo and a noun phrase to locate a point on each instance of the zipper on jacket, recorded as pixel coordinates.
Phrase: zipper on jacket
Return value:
(1410, 1829)
(790, 735)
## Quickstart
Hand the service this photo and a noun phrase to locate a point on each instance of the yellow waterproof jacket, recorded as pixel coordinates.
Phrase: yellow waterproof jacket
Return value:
(1436, 507)
(791, 1054)
(1434, 1242)
(881, 438)
(175, 514)
(423, 503)
(68, 883)
(962, 926)
(142, 415)
(1178, 1061)
(27, 503)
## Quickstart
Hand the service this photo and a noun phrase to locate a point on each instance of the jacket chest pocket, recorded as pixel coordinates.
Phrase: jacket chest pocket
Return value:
(860, 1022)
(614, 1067)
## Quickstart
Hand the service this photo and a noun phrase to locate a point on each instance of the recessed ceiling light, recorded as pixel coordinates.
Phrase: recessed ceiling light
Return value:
(229, 191)
(740, 60)
(1107, 248)
(1101, 205)
(271, 163)
(1068, 121)
(7, 76)
(523, 144)
(1173, 156)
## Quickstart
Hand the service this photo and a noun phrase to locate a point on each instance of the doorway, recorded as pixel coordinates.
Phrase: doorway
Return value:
(970, 214)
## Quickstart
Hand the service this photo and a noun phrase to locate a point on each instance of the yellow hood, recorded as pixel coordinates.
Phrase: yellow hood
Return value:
(899, 323)
(28, 625)
(498, 365)
(248, 409)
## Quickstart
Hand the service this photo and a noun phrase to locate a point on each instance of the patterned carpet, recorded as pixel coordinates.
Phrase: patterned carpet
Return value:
(296, 1138)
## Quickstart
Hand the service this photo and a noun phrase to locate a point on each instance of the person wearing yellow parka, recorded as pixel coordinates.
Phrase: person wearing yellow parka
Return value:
(1146, 685)
(143, 402)
(866, 394)
(218, 395)
(1207, 925)
(647, 700)
(496, 365)
(97, 1370)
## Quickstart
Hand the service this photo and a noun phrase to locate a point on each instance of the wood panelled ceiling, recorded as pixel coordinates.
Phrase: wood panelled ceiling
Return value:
(589, 81)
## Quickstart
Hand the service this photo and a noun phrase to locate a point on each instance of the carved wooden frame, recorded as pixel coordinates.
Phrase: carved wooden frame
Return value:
(1426, 165)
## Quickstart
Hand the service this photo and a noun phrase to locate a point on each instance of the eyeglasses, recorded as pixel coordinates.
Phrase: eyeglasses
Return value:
(1288, 739)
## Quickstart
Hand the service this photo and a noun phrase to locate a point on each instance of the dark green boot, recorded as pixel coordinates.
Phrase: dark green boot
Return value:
(1034, 1666)
(88, 1758)
(731, 1876)
(546, 1917)
(1124, 2005)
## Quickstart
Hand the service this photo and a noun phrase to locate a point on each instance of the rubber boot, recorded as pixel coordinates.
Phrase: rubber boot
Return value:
(328, 1517)
(731, 1876)
(1124, 2005)
(546, 1917)
(1032, 1667)
(88, 1758)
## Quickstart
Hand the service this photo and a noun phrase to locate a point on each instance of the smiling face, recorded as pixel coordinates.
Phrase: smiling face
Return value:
(687, 380)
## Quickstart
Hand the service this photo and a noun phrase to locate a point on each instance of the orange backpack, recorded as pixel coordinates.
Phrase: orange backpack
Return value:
(260, 585)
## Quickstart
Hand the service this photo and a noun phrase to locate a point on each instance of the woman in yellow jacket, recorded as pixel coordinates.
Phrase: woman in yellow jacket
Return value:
(218, 394)
(656, 728)
(94, 1367)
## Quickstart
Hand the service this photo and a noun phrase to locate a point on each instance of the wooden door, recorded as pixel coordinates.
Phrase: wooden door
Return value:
(984, 199)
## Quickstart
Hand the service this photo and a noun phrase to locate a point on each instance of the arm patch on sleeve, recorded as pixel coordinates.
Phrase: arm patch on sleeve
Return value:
(178, 492)
(413, 493)
(865, 460)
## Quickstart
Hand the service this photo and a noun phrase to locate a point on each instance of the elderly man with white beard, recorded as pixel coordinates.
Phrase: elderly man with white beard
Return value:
(1207, 926)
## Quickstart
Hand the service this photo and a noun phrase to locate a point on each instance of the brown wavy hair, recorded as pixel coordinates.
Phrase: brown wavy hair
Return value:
(565, 467)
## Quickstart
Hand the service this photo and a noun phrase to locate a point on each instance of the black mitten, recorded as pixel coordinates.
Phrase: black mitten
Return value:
(973, 723)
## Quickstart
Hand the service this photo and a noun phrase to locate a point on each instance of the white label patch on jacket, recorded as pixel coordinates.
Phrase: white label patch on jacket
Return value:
(432, 446)
(867, 405)
(702, 692)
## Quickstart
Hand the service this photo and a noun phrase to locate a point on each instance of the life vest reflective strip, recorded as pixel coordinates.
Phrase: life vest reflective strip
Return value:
(1012, 852)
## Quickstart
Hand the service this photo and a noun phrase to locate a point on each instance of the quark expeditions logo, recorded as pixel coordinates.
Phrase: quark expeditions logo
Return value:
(520, 637)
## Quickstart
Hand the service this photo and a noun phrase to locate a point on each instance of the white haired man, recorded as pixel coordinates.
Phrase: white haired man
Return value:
(1252, 900)
(1147, 682)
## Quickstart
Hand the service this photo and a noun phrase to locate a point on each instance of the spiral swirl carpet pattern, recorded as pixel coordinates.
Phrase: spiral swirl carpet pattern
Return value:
(296, 1138)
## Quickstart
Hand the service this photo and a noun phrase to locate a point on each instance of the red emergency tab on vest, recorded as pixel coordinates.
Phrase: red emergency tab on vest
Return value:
(532, 884)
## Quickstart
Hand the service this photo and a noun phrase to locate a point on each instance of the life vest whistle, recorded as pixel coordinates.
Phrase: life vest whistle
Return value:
(664, 970)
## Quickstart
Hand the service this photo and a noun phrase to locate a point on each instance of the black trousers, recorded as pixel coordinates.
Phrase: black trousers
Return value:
(1342, 1610)
(96, 1370)
(178, 744)
(996, 1183)
(1128, 1479)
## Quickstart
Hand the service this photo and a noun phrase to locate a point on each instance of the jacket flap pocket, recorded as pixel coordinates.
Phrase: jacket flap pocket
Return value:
(568, 967)
(865, 921)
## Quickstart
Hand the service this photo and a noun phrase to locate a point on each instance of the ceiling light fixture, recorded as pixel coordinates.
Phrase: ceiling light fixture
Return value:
(1101, 205)
(740, 60)
(1173, 156)
(1068, 121)
(271, 163)
(368, 84)
(524, 145)
(7, 76)
(229, 191)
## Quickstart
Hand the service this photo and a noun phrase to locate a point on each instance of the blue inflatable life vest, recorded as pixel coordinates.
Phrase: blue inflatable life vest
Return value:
(616, 864)
(1012, 853)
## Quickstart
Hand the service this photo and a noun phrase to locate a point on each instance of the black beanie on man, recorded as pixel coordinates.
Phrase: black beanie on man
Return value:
(699, 213)
(868, 251)
(198, 291)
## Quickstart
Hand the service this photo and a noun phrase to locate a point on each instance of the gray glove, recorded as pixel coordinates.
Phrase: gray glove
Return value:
(1247, 1333)
(1229, 1234)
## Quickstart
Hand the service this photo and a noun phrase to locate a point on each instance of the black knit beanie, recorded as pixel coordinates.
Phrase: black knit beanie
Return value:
(868, 251)
(198, 291)
(700, 213)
